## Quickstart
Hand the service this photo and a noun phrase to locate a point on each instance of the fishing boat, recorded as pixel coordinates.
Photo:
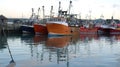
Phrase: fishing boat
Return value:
(116, 27)
(115, 30)
(110, 28)
(88, 29)
(27, 27)
(40, 28)
(58, 26)
(84, 30)
(105, 29)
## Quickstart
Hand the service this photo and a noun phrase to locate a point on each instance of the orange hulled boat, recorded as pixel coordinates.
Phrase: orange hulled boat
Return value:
(58, 26)
(40, 29)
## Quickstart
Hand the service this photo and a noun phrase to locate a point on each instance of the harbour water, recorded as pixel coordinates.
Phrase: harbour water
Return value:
(63, 51)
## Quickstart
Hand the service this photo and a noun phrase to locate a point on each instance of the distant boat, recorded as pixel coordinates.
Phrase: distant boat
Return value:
(28, 27)
(58, 26)
(116, 29)
(115, 26)
(111, 28)
(88, 29)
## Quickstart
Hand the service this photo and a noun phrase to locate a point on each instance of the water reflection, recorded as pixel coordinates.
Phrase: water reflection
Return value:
(58, 41)
(63, 51)
(3, 42)
(116, 37)
(12, 62)
(40, 39)
(88, 36)
(27, 38)
(58, 46)
(51, 49)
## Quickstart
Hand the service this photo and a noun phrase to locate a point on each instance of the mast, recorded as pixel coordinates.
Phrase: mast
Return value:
(43, 12)
(38, 13)
(101, 17)
(59, 9)
(32, 13)
(90, 14)
(70, 7)
(51, 11)
(79, 15)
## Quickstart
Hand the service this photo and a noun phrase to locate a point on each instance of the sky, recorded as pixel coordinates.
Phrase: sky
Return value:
(84, 8)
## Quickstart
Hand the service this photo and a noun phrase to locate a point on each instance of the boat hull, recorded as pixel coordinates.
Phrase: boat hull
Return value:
(106, 29)
(115, 31)
(58, 29)
(88, 30)
(27, 29)
(40, 29)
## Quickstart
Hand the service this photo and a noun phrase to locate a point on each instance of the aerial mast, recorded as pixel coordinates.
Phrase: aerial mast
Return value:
(32, 13)
(59, 9)
(38, 13)
(43, 12)
(70, 7)
(51, 11)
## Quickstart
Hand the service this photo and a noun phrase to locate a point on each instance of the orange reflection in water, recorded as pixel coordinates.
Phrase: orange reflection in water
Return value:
(58, 42)
(117, 36)
(90, 36)
(39, 39)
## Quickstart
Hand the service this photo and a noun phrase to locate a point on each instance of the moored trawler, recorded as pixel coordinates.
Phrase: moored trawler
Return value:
(40, 27)
(116, 28)
(89, 29)
(58, 26)
(27, 29)
(115, 31)
(111, 26)
(28, 26)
